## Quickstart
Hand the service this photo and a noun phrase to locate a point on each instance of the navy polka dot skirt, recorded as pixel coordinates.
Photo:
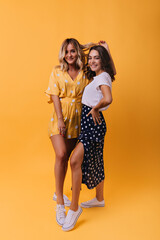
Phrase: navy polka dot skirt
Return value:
(92, 138)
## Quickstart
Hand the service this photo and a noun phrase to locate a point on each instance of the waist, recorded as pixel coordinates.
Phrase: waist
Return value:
(70, 99)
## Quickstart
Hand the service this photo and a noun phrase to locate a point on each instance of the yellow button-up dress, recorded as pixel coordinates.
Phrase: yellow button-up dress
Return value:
(70, 94)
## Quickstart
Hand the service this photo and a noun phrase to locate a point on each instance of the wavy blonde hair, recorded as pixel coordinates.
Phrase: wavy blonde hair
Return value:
(81, 49)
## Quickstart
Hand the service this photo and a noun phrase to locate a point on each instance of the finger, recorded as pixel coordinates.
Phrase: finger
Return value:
(94, 121)
(63, 132)
(63, 129)
(98, 120)
(88, 114)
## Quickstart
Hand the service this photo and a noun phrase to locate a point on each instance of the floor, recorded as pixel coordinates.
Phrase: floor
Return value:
(27, 211)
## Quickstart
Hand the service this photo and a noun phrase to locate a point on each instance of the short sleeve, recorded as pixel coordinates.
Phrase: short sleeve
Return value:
(104, 79)
(53, 86)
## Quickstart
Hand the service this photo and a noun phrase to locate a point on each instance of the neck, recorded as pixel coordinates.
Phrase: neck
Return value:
(72, 67)
(99, 72)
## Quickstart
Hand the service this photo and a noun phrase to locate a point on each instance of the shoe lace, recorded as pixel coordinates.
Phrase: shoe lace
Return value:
(60, 211)
(69, 216)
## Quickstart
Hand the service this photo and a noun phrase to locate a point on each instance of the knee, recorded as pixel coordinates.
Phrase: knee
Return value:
(61, 157)
(74, 163)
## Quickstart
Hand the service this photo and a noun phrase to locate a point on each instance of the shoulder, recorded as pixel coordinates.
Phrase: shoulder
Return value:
(57, 72)
(56, 69)
(103, 79)
(106, 76)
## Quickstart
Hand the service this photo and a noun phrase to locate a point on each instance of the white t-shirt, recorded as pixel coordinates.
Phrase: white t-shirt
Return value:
(92, 93)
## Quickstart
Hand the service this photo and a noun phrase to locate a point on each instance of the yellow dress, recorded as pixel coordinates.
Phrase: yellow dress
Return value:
(70, 94)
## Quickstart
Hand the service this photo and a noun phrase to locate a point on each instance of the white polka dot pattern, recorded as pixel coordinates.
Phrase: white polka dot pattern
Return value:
(70, 94)
(92, 138)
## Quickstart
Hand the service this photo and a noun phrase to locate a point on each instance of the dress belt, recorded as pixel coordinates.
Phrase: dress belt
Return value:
(70, 99)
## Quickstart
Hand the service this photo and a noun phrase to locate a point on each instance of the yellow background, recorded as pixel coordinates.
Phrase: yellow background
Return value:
(31, 35)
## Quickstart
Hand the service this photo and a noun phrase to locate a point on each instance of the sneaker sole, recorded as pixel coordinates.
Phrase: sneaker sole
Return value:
(60, 224)
(70, 228)
(91, 206)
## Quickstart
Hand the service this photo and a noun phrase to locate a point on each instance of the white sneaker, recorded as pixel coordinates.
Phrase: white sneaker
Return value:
(60, 214)
(67, 202)
(92, 203)
(71, 219)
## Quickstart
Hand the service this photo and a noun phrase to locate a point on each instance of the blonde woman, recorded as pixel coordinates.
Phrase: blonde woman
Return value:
(66, 85)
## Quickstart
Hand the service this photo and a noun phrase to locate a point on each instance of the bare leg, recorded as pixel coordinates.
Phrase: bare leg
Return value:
(99, 191)
(63, 148)
(76, 162)
(70, 144)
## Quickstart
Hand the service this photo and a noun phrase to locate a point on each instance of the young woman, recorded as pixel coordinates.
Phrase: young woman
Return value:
(87, 159)
(65, 89)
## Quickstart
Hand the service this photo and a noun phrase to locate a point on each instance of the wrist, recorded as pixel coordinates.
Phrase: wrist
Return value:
(60, 118)
(96, 108)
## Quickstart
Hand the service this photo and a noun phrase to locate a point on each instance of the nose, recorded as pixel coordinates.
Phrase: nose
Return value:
(69, 54)
(92, 61)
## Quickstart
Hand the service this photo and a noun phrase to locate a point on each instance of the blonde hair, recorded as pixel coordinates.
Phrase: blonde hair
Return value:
(81, 49)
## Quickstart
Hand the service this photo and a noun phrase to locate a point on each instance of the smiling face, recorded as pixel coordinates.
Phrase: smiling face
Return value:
(71, 54)
(94, 62)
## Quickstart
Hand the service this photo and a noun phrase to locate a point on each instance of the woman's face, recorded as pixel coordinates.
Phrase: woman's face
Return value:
(71, 54)
(94, 62)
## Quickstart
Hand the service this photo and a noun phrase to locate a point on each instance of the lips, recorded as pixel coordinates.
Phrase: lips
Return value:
(93, 66)
(70, 59)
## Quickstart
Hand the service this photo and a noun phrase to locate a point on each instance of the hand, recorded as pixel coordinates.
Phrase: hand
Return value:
(95, 115)
(104, 44)
(61, 127)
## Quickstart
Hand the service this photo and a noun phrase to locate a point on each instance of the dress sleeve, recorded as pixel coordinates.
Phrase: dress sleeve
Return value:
(104, 80)
(53, 86)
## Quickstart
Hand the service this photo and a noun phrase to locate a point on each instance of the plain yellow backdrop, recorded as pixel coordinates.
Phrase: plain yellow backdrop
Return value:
(31, 35)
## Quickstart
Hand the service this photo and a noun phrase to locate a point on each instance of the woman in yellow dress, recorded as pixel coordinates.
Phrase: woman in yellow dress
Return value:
(66, 85)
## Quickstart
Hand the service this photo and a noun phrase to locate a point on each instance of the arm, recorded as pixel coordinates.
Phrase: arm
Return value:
(105, 101)
(58, 109)
(104, 44)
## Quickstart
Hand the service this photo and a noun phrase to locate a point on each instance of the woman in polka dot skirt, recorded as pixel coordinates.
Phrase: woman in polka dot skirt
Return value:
(87, 159)
(66, 85)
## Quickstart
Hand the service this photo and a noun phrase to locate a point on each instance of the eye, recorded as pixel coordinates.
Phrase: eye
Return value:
(73, 51)
(66, 51)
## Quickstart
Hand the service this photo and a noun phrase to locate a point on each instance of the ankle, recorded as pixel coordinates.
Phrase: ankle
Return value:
(74, 207)
(100, 199)
(60, 200)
